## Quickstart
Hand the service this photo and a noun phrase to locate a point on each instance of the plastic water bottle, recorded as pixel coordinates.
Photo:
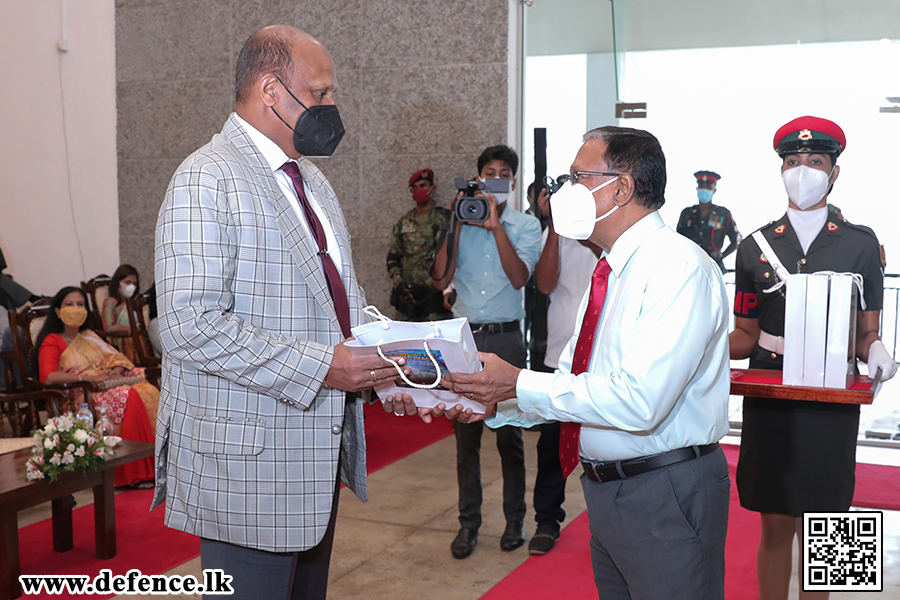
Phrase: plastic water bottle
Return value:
(84, 415)
(105, 425)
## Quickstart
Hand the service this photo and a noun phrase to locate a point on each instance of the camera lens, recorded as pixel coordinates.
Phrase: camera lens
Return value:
(471, 209)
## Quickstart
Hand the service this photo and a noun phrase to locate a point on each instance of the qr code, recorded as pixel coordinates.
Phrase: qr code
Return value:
(842, 551)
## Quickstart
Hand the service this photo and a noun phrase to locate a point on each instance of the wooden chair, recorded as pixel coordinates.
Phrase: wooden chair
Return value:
(25, 325)
(97, 291)
(138, 316)
(22, 410)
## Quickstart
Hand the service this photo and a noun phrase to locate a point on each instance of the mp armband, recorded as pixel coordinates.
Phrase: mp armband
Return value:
(746, 303)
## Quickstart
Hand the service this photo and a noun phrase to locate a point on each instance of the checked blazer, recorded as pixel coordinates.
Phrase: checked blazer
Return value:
(248, 438)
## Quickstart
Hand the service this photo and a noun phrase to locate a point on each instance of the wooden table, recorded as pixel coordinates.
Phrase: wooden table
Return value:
(17, 493)
(763, 383)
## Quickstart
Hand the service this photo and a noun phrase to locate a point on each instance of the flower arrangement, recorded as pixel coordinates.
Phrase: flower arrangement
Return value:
(65, 444)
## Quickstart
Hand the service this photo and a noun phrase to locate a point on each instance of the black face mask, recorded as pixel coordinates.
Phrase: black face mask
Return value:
(319, 129)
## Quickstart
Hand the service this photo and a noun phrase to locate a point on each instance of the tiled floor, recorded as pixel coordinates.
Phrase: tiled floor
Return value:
(397, 545)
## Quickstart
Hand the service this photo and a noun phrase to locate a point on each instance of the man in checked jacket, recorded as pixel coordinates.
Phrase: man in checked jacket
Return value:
(258, 423)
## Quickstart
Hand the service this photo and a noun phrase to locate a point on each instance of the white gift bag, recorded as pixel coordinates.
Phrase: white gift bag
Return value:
(431, 350)
(794, 329)
(840, 350)
(816, 330)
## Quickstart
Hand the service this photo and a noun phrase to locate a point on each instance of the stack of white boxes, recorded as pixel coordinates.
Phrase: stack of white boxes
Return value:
(819, 330)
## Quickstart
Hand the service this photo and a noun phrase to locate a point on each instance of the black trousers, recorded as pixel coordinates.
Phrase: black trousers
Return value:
(549, 484)
(511, 348)
(289, 575)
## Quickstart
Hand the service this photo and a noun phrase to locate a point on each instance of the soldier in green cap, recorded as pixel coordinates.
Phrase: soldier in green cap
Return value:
(411, 254)
(707, 224)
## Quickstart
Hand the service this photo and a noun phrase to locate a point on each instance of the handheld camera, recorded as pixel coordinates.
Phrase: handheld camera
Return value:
(470, 208)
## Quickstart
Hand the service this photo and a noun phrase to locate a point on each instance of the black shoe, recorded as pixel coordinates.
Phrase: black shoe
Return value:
(544, 538)
(513, 536)
(464, 543)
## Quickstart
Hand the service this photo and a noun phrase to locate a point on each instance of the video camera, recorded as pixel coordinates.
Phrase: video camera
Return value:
(470, 208)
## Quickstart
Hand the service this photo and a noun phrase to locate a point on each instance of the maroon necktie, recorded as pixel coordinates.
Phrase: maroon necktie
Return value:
(332, 276)
(569, 432)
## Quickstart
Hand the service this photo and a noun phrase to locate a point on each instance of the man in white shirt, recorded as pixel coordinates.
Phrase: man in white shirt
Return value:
(648, 383)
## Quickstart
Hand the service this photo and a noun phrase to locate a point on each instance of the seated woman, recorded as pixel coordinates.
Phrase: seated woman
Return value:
(125, 283)
(67, 351)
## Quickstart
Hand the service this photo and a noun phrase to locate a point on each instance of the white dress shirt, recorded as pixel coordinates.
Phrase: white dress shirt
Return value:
(275, 158)
(659, 373)
(576, 265)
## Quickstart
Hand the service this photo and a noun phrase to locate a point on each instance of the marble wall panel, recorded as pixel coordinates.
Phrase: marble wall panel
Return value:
(335, 23)
(170, 119)
(396, 33)
(371, 271)
(176, 40)
(455, 109)
(137, 251)
(142, 187)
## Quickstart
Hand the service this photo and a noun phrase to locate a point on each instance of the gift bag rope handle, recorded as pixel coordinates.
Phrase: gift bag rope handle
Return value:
(386, 324)
(857, 279)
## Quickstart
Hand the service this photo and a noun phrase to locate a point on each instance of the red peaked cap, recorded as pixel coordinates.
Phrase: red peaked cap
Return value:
(810, 134)
(426, 174)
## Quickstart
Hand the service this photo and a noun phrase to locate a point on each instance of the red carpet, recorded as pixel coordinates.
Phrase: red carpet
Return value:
(566, 572)
(143, 541)
(390, 438)
(146, 544)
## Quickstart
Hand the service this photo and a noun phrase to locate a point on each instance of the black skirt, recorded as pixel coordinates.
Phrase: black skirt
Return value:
(797, 456)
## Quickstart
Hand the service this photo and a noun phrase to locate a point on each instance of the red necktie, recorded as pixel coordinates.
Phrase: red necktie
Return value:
(569, 432)
(332, 276)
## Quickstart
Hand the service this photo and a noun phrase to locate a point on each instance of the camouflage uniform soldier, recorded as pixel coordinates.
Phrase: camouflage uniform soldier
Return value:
(411, 254)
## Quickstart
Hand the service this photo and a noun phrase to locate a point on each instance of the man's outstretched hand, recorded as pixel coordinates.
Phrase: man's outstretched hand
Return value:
(495, 383)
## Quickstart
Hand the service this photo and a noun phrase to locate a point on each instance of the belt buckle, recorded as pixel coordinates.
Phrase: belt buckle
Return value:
(596, 473)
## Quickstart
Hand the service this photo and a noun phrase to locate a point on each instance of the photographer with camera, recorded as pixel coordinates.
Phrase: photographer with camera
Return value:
(414, 241)
(489, 255)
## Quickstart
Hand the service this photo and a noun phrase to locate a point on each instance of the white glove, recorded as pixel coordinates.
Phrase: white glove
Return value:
(880, 359)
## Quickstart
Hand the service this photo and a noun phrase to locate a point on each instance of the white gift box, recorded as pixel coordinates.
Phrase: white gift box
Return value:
(431, 350)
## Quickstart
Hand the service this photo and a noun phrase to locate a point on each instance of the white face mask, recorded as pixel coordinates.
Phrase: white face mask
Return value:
(128, 290)
(806, 186)
(575, 211)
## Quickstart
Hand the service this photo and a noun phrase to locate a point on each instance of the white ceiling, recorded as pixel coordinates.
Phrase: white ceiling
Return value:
(585, 26)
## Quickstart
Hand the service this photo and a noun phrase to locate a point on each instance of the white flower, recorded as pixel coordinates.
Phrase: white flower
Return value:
(56, 459)
(38, 459)
(70, 448)
(38, 440)
(33, 475)
(48, 444)
(80, 451)
(81, 436)
(65, 422)
(68, 459)
(100, 452)
(49, 428)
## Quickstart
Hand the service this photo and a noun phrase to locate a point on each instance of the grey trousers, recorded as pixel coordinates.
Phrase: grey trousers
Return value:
(274, 575)
(661, 535)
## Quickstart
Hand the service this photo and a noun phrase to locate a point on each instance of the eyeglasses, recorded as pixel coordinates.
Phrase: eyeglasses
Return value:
(574, 176)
